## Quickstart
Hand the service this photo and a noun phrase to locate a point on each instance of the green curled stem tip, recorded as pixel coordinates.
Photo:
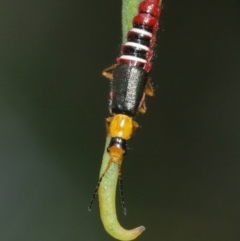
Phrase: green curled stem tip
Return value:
(106, 195)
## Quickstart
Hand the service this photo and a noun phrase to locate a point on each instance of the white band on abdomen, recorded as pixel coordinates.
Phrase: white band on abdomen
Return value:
(136, 45)
(141, 31)
(129, 57)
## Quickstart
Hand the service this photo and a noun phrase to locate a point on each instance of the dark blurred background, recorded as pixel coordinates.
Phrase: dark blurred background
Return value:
(182, 172)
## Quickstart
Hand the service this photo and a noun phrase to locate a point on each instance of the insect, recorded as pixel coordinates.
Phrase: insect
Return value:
(129, 85)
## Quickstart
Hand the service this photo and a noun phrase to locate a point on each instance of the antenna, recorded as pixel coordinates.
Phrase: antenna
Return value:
(98, 184)
(120, 181)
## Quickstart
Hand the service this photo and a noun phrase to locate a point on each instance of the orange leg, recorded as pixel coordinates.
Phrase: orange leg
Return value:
(149, 89)
(108, 120)
(106, 72)
(135, 126)
(143, 108)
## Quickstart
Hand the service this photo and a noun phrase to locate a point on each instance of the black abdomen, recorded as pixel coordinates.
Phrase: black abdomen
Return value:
(128, 86)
